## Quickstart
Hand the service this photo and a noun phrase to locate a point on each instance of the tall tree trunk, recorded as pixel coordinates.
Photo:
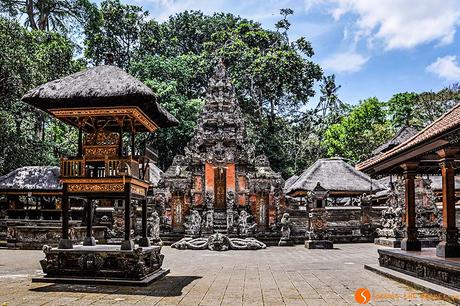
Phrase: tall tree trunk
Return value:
(30, 14)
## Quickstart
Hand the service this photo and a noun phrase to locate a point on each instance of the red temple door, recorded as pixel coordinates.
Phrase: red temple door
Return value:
(220, 188)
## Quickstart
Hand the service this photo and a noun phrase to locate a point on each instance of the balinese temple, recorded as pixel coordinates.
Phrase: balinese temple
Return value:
(106, 105)
(219, 185)
(433, 150)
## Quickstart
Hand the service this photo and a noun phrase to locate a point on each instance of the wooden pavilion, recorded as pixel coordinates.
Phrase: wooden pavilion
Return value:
(108, 106)
(433, 150)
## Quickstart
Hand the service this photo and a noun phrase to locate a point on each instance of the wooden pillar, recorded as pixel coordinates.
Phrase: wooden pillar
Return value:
(80, 142)
(65, 242)
(89, 239)
(144, 241)
(449, 246)
(127, 244)
(410, 243)
(120, 143)
(133, 143)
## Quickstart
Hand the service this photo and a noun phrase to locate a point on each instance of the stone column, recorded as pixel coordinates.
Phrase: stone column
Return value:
(411, 242)
(449, 246)
(127, 244)
(144, 241)
(65, 242)
(89, 239)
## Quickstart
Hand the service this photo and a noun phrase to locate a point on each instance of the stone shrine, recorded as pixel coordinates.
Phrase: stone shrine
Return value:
(219, 186)
(429, 217)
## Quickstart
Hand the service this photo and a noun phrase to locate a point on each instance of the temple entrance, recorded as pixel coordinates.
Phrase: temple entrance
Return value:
(220, 188)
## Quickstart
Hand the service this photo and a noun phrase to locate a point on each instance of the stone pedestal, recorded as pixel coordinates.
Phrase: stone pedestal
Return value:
(144, 242)
(285, 242)
(319, 244)
(444, 249)
(127, 245)
(89, 241)
(102, 264)
(411, 245)
(388, 242)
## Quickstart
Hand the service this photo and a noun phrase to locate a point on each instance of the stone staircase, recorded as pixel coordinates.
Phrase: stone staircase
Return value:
(220, 221)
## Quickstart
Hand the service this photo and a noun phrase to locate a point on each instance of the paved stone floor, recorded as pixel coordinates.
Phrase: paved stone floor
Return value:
(275, 276)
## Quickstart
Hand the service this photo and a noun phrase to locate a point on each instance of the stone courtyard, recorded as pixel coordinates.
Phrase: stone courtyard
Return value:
(273, 276)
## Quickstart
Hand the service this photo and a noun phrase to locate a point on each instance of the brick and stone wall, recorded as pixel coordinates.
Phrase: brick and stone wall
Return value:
(345, 224)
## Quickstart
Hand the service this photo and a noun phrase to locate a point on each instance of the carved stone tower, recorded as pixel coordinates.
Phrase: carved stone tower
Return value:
(214, 177)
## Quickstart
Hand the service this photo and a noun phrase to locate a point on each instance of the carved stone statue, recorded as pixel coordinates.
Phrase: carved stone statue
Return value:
(285, 231)
(245, 223)
(153, 227)
(208, 221)
(193, 223)
(230, 208)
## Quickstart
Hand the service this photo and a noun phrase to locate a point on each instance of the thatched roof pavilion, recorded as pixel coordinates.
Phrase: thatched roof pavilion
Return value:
(98, 87)
(289, 182)
(336, 176)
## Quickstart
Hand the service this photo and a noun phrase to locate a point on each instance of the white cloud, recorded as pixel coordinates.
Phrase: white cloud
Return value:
(344, 62)
(446, 67)
(401, 24)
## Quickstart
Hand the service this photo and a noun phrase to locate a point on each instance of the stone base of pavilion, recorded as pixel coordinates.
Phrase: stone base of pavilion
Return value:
(396, 242)
(424, 265)
(319, 244)
(102, 264)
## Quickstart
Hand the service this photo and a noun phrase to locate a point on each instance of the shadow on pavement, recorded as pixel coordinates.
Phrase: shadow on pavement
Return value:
(167, 286)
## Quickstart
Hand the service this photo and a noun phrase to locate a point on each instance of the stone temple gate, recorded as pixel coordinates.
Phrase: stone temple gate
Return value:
(219, 185)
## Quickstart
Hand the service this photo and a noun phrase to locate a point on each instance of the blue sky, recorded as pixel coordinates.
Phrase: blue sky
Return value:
(375, 47)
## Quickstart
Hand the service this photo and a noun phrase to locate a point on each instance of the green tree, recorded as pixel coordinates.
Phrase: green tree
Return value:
(401, 109)
(171, 79)
(28, 59)
(431, 105)
(358, 133)
(114, 28)
(47, 15)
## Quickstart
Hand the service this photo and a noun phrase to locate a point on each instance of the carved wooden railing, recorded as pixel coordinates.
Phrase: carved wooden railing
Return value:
(73, 168)
(112, 168)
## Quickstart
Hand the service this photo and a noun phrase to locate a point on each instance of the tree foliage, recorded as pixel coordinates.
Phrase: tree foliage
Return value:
(28, 59)
(47, 15)
(274, 78)
(357, 134)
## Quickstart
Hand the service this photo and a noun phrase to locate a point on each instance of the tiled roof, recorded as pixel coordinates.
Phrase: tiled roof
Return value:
(443, 124)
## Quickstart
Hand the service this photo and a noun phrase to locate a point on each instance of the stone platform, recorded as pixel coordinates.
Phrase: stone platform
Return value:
(319, 244)
(102, 264)
(396, 243)
(424, 265)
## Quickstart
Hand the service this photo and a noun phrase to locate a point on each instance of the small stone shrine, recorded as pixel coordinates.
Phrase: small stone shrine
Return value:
(429, 217)
(219, 186)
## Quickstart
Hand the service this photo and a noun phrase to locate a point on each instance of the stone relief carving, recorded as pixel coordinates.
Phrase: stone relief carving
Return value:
(219, 242)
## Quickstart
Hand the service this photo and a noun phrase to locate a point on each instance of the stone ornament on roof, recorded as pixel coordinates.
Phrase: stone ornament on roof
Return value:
(220, 134)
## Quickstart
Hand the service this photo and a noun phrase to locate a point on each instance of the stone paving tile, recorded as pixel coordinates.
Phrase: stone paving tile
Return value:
(275, 276)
